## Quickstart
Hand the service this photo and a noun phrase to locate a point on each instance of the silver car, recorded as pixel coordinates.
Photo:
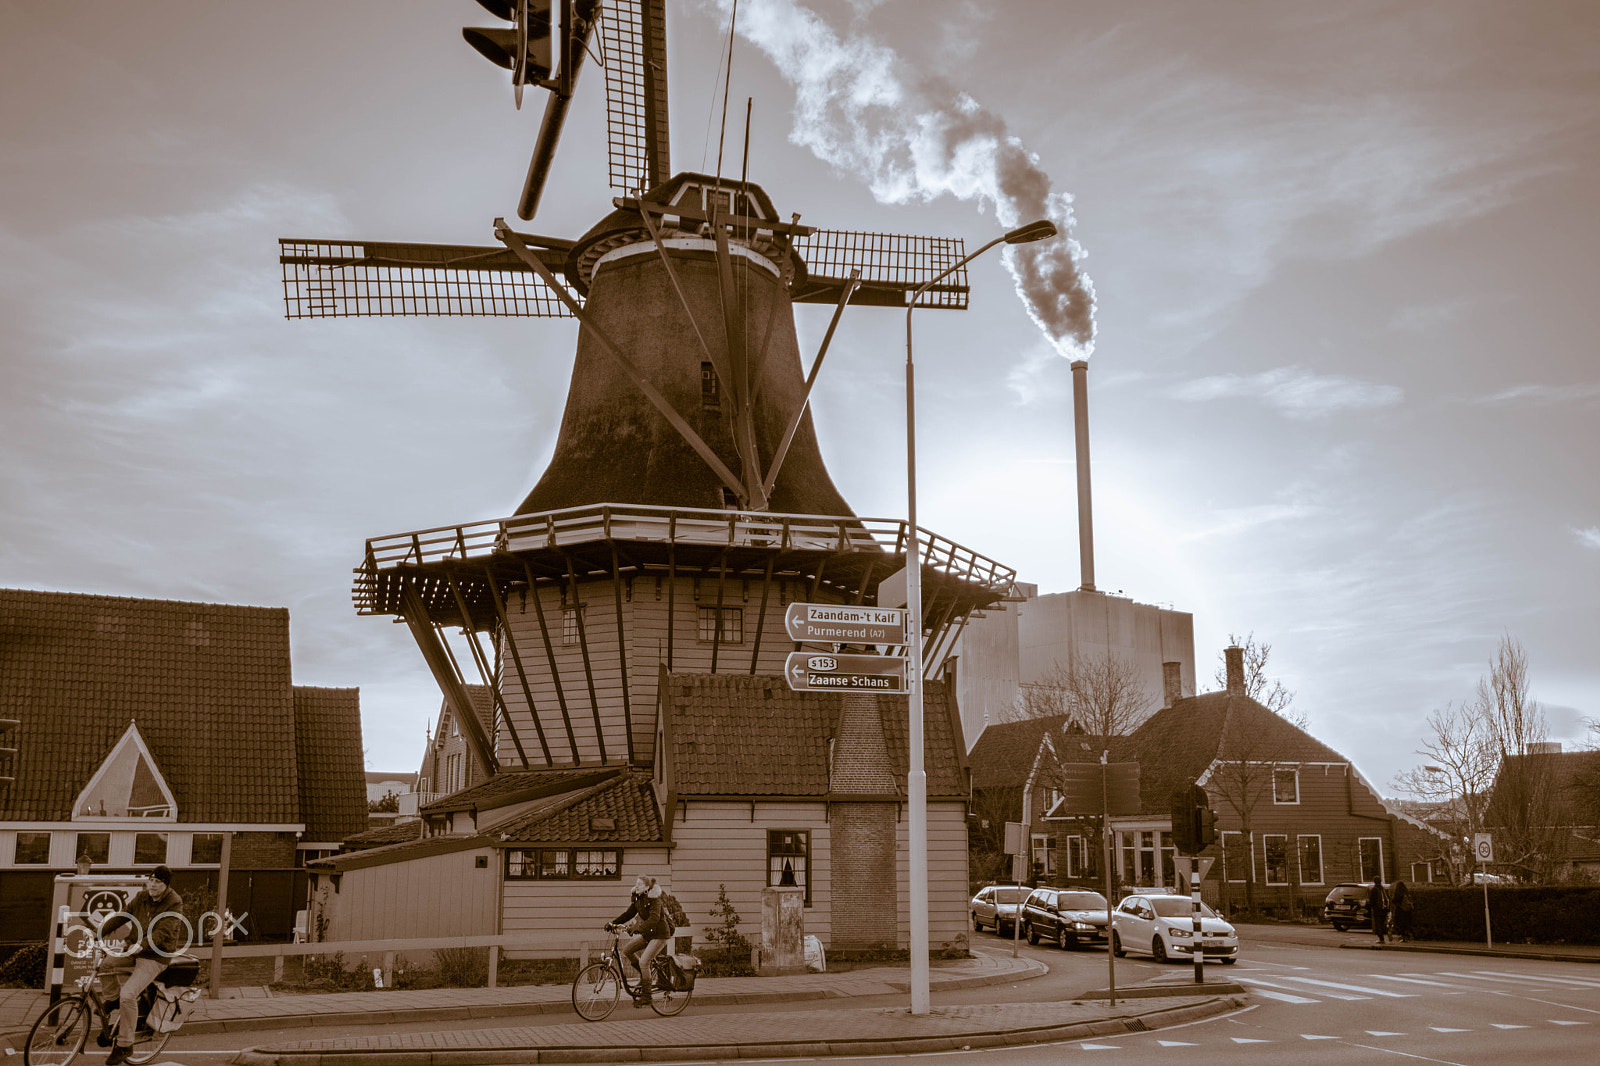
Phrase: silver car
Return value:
(1164, 926)
(996, 907)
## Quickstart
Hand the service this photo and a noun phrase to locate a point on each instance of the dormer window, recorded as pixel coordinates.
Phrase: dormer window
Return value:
(1286, 786)
(127, 785)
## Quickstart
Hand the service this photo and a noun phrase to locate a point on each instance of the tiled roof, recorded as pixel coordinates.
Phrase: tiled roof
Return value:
(208, 684)
(626, 800)
(333, 788)
(1004, 753)
(517, 786)
(402, 852)
(1568, 780)
(743, 735)
(398, 833)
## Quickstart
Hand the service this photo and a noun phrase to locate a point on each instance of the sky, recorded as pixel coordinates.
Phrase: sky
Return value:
(1334, 274)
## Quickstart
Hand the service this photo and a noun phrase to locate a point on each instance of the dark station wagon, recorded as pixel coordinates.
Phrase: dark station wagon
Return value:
(1346, 906)
(1068, 916)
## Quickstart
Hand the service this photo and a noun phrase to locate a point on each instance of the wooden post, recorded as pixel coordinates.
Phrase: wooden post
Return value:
(388, 969)
(222, 915)
(494, 964)
(277, 969)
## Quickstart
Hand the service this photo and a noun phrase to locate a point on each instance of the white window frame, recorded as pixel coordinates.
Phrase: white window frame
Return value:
(1077, 856)
(1227, 870)
(1296, 779)
(1427, 868)
(1043, 852)
(1361, 859)
(1299, 857)
(1266, 861)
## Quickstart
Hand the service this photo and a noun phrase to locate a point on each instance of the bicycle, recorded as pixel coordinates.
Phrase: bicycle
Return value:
(62, 1029)
(598, 986)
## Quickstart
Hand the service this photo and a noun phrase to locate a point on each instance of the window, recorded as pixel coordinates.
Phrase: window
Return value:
(33, 849)
(149, 849)
(1235, 858)
(731, 629)
(570, 619)
(1275, 848)
(207, 850)
(1371, 852)
(1286, 786)
(1311, 860)
(1147, 858)
(1044, 853)
(95, 845)
(1421, 871)
(788, 859)
(710, 387)
(1077, 857)
(562, 864)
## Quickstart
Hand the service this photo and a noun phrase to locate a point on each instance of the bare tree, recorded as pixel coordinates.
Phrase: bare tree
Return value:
(1258, 685)
(1455, 779)
(1243, 777)
(1102, 694)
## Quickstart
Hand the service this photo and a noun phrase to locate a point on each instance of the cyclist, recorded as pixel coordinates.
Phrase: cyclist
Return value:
(650, 928)
(155, 911)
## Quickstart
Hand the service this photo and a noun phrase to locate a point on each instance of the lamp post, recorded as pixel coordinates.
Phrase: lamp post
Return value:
(916, 776)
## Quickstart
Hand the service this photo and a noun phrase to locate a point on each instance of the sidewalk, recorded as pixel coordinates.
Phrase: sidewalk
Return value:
(1358, 939)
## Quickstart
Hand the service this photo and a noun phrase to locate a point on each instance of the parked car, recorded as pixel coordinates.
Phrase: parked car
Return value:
(1346, 906)
(1069, 916)
(996, 907)
(1164, 926)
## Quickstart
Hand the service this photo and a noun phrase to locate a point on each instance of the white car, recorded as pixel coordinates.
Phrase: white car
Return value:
(1164, 926)
(996, 907)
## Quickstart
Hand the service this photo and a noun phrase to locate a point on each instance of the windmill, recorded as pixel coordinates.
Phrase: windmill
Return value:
(686, 483)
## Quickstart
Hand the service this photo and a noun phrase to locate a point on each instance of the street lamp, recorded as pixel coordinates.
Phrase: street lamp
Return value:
(916, 777)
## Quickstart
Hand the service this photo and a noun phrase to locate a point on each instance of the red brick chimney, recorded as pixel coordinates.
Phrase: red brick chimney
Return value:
(1171, 683)
(1234, 658)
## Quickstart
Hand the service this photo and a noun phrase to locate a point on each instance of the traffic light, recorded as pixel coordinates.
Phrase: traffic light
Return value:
(524, 48)
(1183, 822)
(1205, 828)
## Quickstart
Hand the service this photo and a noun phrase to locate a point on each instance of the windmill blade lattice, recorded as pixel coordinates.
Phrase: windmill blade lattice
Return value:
(633, 36)
(376, 279)
(892, 267)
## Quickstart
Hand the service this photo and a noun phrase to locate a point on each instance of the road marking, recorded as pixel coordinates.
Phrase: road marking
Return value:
(1101, 1047)
(1284, 997)
(1411, 980)
(1444, 1029)
(1540, 980)
(1313, 1036)
(1248, 1040)
(1354, 988)
(1499, 1025)
(1381, 1032)
(1175, 1043)
(1558, 1021)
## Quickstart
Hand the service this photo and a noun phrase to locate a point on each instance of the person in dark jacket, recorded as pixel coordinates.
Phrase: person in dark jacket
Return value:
(1378, 907)
(1400, 910)
(650, 929)
(156, 932)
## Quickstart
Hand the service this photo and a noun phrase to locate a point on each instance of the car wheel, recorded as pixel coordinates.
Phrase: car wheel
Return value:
(1033, 935)
(1116, 946)
(1340, 927)
(1063, 941)
(1229, 962)
(1158, 948)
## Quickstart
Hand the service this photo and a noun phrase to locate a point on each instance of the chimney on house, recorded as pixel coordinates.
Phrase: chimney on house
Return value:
(1171, 683)
(1234, 658)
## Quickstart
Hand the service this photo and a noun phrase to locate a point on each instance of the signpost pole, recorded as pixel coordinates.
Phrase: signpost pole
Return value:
(1105, 841)
(222, 915)
(1488, 936)
(1195, 949)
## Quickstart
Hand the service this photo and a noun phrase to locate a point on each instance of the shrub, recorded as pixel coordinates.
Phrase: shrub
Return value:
(1538, 915)
(462, 967)
(26, 967)
(327, 973)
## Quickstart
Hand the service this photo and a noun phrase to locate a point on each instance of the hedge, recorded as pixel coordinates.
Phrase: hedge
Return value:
(1533, 915)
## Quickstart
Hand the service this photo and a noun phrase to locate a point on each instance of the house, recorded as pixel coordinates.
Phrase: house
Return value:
(1294, 816)
(752, 784)
(449, 763)
(150, 730)
(1010, 783)
(1543, 814)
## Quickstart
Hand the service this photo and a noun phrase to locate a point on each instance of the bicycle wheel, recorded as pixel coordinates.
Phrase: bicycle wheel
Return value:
(595, 991)
(145, 1050)
(665, 1000)
(58, 1034)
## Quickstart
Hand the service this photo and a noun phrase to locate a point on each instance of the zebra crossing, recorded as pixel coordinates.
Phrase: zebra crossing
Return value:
(1212, 1039)
(1298, 989)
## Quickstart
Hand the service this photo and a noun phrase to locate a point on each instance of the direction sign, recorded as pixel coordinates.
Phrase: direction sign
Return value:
(1482, 847)
(837, 623)
(808, 671)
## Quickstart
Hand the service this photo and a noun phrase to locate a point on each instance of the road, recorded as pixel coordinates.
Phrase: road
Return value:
(1311, 1005)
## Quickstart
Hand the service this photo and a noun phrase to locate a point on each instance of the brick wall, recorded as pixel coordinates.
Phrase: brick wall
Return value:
(262, 851)
(862, 879)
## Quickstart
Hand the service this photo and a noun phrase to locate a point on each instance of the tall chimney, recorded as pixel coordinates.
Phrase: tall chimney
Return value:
(1234, 658)
(1080, 420)
(1171, 683)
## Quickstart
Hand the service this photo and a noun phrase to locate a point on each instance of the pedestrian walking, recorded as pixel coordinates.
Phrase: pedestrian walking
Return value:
(1378, 907)
(1400, 910)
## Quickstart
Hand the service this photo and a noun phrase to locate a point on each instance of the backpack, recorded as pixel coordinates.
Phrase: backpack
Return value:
(677, 917)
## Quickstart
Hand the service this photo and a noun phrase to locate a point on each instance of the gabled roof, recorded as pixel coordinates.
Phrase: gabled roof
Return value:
(397, 833)
(1004, 754)
(1570, 780)
(519, 786)
(621, 810)
(750, 735)
(333, 788)
(208, 684)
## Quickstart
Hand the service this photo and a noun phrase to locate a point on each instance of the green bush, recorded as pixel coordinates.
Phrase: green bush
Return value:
(462, 967)
(1518, 915)
(26, 967)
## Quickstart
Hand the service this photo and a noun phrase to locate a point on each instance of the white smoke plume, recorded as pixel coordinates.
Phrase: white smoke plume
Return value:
(860, 107)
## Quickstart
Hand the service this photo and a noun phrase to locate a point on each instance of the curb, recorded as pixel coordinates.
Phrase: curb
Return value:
(509, 1010)
(1493, 953)
(1215, 988)
(1105, 1027)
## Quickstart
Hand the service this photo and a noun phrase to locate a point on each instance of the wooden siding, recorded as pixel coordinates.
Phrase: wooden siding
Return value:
(437, 895)
(947, 875)
(567, 914)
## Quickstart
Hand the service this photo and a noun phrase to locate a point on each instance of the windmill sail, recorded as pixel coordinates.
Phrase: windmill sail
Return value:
(892, 266)
(633, 36)
(343, 279)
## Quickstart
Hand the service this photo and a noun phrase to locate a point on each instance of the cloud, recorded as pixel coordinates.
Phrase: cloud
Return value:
(1292, 391)
(1588, 537)
(1545, 395)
